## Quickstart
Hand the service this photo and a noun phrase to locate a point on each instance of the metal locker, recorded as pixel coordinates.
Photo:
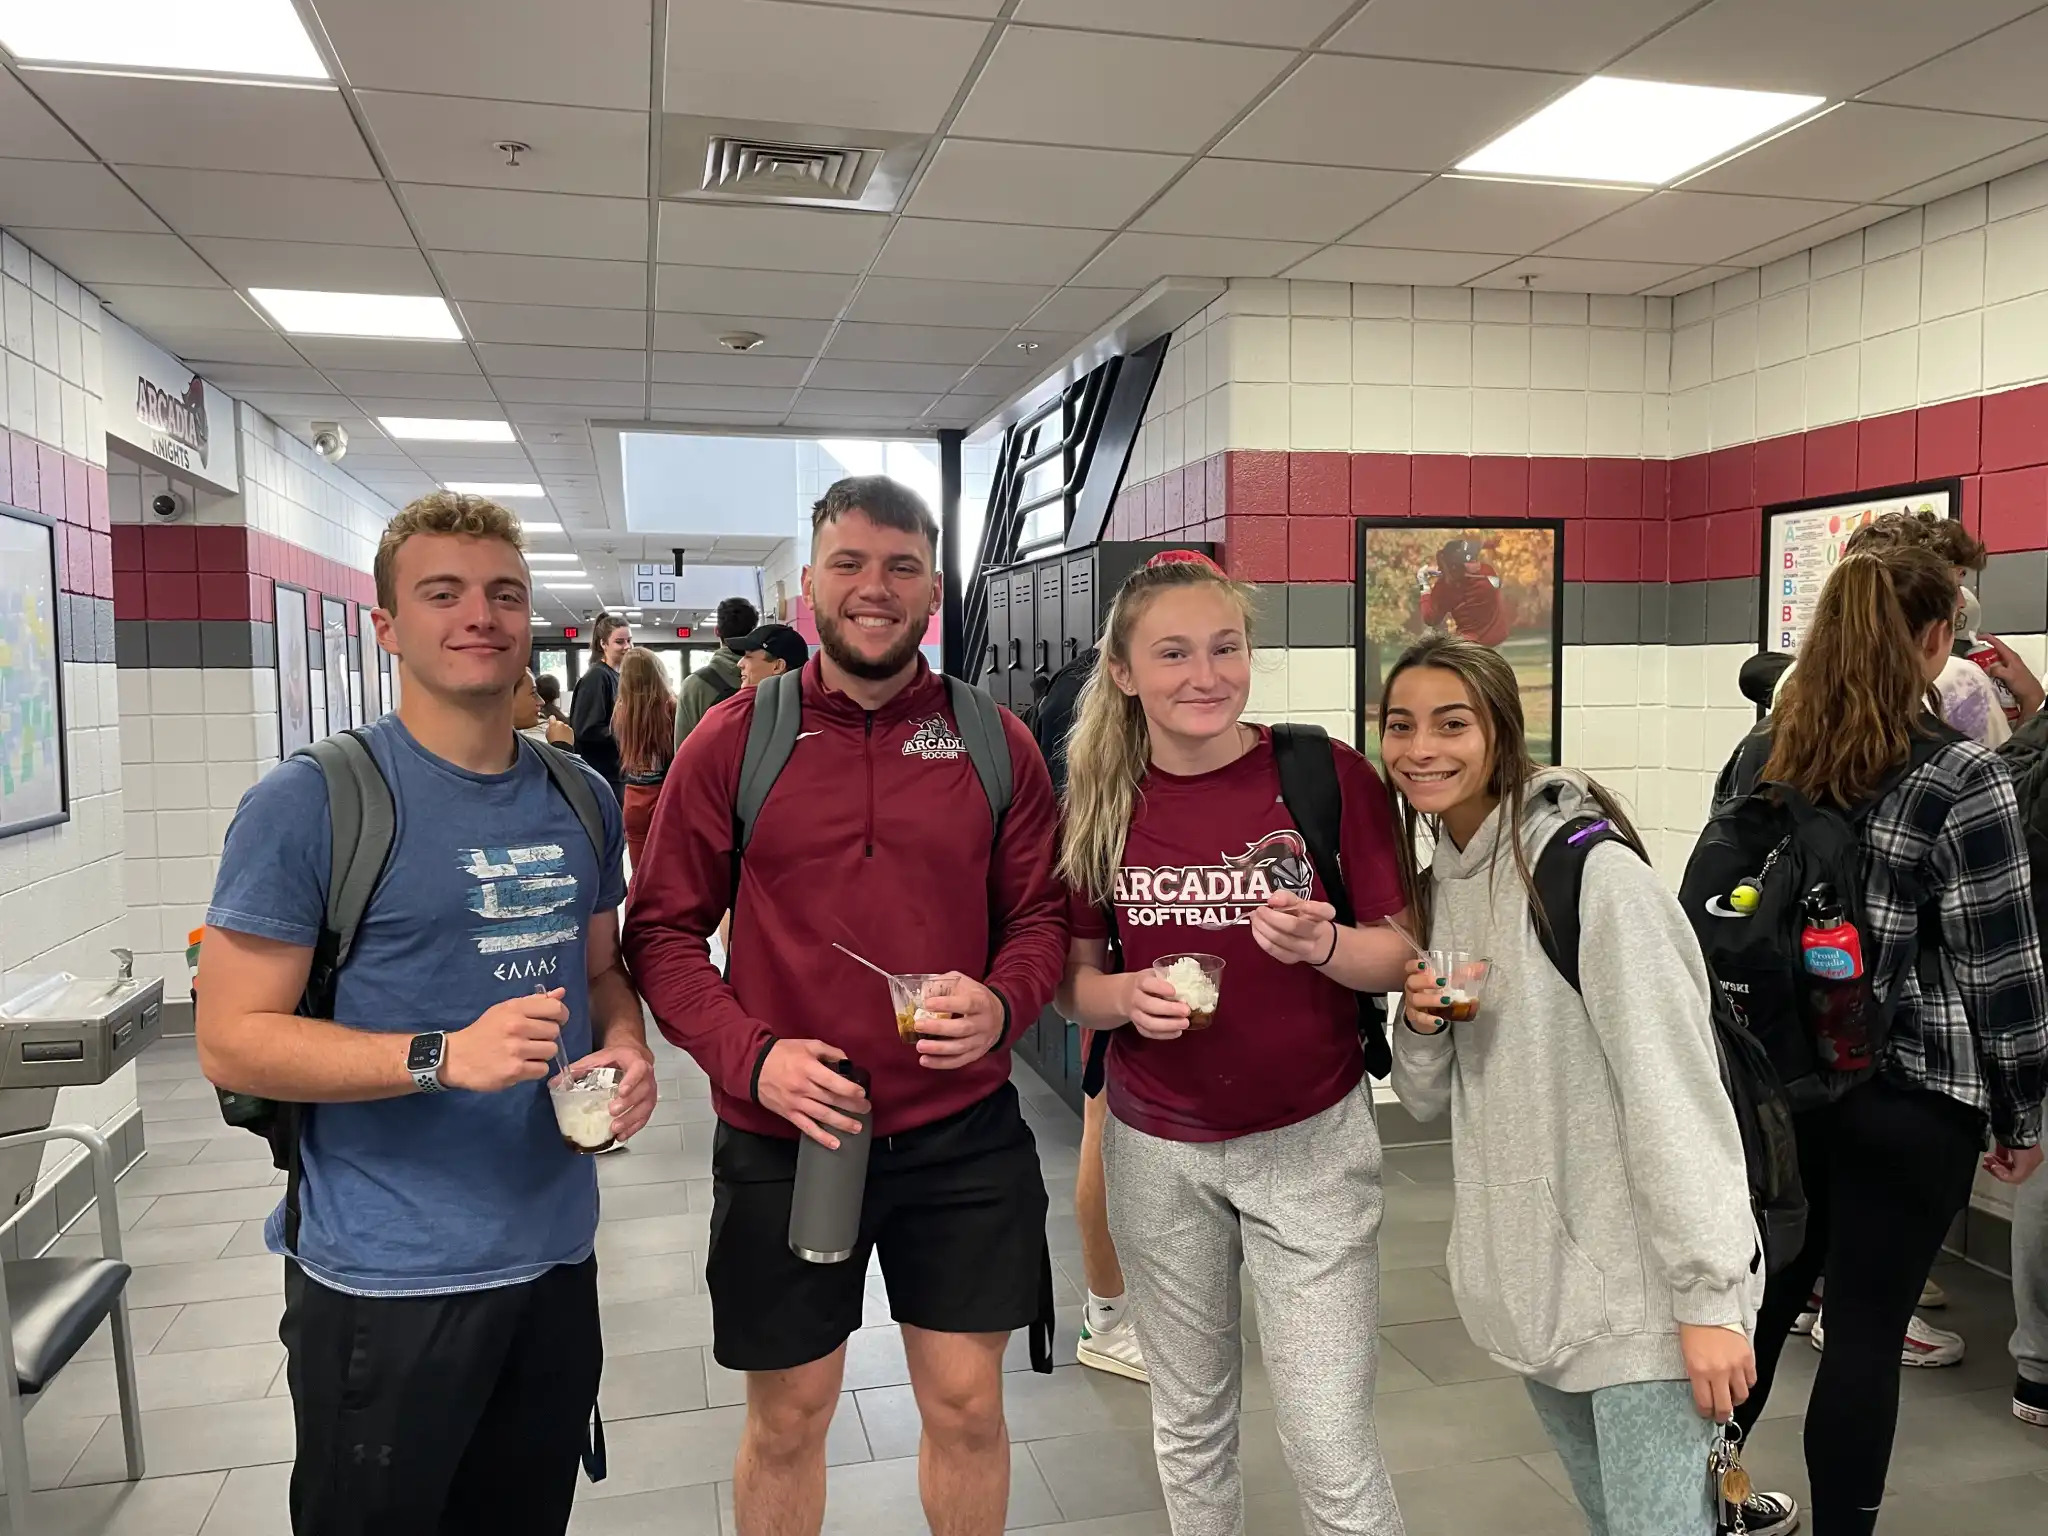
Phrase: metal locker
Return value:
(1023, 632)
(1081, 620)
(1045, 652)
(995, 661)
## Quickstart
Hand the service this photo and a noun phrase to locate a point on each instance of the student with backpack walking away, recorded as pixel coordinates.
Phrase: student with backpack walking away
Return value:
(1602, 1244)
(864, 802)
(1934, 1028)
(720, 677)
(441, 1322)
(1240, 1128)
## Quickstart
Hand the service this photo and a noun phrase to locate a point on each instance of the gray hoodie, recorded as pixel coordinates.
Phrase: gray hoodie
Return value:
(1601, 1198)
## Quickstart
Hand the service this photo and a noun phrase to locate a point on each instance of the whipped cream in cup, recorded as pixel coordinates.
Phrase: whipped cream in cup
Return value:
(1197, 980)
(583, 1108)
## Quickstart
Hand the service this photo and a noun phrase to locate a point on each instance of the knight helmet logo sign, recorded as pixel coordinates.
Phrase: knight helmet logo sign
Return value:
(178, 422)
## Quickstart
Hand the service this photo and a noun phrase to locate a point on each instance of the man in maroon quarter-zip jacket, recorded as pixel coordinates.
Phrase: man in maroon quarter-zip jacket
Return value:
(877, 835)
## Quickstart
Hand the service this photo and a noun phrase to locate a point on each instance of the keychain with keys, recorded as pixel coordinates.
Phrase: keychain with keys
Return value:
(1731, 1483)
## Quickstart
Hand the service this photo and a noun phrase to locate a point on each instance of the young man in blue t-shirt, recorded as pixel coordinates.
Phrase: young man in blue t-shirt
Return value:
(441, 1295)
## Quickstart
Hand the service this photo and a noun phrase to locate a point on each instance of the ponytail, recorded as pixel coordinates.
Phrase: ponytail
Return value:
(1848, 711)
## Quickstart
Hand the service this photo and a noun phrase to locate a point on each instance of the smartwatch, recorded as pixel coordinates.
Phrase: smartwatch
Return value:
(424, 1059)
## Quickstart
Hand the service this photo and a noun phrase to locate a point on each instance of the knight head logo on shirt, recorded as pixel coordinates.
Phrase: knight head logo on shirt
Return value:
(933, 740)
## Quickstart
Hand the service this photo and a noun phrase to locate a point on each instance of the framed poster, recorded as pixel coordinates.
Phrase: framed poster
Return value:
(294, 672)
(334, 649)
(34, 775)
(1803, 542)
(1499, 583)
(387, 699)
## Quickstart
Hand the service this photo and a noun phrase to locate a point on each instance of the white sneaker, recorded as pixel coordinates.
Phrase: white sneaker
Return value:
(1114, 1350)
(1925, 1345)
(1808, 1315)
(1933, 1297)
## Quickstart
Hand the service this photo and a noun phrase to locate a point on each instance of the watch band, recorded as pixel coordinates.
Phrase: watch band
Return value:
(428, 1079)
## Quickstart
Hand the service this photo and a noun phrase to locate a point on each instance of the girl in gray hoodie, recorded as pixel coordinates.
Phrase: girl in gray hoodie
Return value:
(1601, 1244)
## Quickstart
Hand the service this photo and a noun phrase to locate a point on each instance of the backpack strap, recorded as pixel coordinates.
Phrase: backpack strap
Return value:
(575, 787)
(1094, 1068)
(771, 737)
(980, 723)
(712, 678)
(1559, 875)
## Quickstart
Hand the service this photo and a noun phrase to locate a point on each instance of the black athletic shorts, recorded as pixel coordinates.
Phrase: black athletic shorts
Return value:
(957, 1209)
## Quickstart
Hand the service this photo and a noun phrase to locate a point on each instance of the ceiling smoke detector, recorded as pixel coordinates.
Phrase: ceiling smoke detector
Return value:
(741, 341)
(804, 164)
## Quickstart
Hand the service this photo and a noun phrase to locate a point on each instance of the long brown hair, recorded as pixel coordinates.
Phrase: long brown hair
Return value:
(644, 720)
(1497, 697)
(1848, 711)
(1110, 748)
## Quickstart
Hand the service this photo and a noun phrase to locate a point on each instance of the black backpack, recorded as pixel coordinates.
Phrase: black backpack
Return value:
(711, 677)
(1775, 839)
(1763, 1115)
(1052, 717)
(1313, 797)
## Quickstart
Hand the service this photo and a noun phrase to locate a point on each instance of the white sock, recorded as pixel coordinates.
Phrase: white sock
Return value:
(1104, 1312)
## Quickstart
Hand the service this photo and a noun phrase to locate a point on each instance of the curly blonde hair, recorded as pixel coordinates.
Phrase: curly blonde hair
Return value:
(474, 517)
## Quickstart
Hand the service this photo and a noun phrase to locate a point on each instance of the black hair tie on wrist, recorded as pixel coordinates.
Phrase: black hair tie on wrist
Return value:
(1333, 948)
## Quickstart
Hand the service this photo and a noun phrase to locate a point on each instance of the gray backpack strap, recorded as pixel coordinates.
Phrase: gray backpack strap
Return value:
(364, 823)
(771, 737)
(980, 722)
(574, 784)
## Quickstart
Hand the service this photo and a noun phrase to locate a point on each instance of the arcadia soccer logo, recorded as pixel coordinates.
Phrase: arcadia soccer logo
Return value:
(934, 741)
(1221, 895)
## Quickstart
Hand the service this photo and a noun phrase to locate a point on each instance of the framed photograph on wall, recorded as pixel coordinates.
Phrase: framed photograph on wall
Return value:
(1499, 583)
(34, 774)
(334, 648)
(387, 697)
(1803, 542)
(294, 672)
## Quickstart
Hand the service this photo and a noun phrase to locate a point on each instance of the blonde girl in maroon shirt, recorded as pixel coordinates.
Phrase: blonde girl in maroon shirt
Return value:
(1250, 1142)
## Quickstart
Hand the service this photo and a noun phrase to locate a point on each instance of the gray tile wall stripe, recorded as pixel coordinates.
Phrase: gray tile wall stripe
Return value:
(192, 643)
(85, 628)
(2014, 591)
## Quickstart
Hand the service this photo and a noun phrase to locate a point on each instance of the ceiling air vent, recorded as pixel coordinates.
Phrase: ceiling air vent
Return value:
(726, 160)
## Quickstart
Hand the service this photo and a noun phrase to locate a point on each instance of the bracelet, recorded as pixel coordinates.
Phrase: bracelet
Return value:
(1333, 947)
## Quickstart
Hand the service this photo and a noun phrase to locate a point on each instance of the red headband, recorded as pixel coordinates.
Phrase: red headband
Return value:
(1182, 557)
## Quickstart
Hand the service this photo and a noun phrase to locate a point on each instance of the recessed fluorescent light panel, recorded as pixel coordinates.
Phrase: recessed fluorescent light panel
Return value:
(569, 586)
(390, 316)
(494, 489)
(221, 37)
(551, 555)
(432, 429)
(1641, 133)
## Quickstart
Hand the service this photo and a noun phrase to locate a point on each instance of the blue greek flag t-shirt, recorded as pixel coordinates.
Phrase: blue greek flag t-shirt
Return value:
(488, 894)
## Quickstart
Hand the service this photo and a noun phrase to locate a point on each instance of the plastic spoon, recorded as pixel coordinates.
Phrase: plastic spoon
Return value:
(1408, 939)
(885, 975)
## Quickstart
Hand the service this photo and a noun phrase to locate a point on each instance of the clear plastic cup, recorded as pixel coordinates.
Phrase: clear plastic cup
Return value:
(1197, 980)
(583, 1108)
(1464, 975)
(907, 994)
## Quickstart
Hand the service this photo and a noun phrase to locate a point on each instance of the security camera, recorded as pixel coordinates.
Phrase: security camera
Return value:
(166, 507)
(330, 441)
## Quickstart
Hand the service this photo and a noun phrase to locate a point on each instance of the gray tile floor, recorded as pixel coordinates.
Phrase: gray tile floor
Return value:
(1467, 1455)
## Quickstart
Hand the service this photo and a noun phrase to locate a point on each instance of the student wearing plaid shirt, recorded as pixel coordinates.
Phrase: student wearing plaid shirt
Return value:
(1889, 1165)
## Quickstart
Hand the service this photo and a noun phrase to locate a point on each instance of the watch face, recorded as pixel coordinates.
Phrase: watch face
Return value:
(425, 1054)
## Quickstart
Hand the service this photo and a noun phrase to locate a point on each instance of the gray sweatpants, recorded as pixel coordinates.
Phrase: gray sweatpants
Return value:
(2030, 1277)
(1300, 1208)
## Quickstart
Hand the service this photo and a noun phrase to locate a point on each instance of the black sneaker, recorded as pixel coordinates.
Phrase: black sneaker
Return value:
(1764, 1514)
(2030, 1402)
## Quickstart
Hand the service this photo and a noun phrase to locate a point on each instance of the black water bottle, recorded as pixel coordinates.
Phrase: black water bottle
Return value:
(824, 1208)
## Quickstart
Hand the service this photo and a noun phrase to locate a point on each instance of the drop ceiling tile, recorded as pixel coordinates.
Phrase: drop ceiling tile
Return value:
(995, 381)
(1114, 92)
(779, 239)
(1864, 153)
(135, 120)
(451, 140)
(930, 301)
(834, 402)
(982, 8)
(990, 253)
(758, 59)
(242, 205)
(608, 394)
(550, 280)
(1699, 227)
(502, 359)
(516, 49)
(1363, 264)
(747, 369)
(441, 401)
(911, 343)
(2016, 159)
(1083, 309)
(1999, 73)
(700, 333)
(260, 378)
(1383, 112)
(1823, 47)
(1563, 274)
(225, 344)
(423, 386)
(1257, 200)
(1039, 184)
(556, 325)
(288, 410)
(529, 223)
(388, 356)
(1275, 23)
(94, 257)
(906, 378)
(1138, 260)
(29, 130)
(541, 414)
(1698, 278)
(721, 397)
(331, 268)
(1818, 234)
(734, 290)
(67, 194)
(1576, 38)
(1461, 213)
